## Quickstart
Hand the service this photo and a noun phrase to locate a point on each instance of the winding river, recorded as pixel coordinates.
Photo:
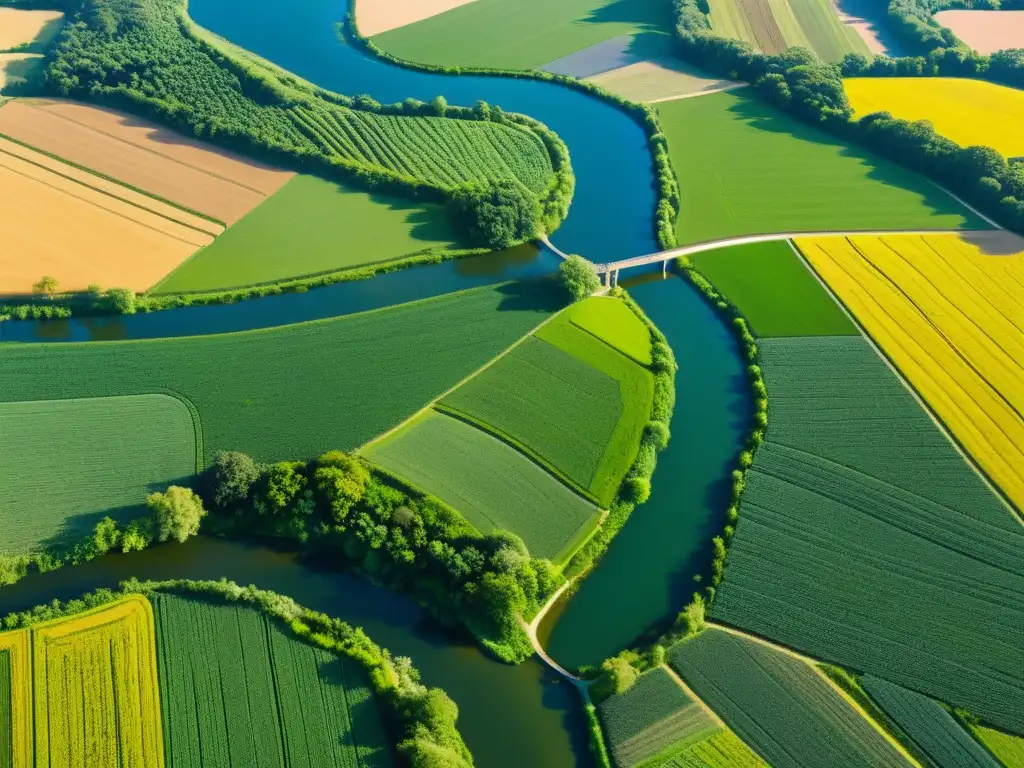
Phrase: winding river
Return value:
(510, 716)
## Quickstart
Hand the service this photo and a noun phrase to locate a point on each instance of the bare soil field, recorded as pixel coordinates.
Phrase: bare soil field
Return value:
(376, 16)
(55, 226)
(18, 27)
(111, 188)
(143, 155)
(986, 31)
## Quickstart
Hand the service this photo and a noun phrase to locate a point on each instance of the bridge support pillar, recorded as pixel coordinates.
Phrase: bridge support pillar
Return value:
(615, 279)
(604, 279)
(664, 268)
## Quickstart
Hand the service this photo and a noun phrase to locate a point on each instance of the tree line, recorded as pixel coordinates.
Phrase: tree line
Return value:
(799, 83)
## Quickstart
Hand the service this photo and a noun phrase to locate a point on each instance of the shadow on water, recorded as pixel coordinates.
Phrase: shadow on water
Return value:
(384, 290)
(510, 716)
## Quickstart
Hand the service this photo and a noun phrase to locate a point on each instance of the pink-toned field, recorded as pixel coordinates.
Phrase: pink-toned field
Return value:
(376, 16)
(138, 153)
(986, 31)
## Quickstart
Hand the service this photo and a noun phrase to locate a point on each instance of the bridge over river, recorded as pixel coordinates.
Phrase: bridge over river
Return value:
(610, 271)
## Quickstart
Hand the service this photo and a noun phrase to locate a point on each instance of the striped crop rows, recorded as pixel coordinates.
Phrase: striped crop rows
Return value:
(95, 689)
(15, 699)
(439, 151)
(239, 692)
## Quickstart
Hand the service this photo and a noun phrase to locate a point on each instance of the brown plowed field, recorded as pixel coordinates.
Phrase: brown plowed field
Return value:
(59, 227)
(111, 188)
(142, 155)
(985, 31)
(762, 22)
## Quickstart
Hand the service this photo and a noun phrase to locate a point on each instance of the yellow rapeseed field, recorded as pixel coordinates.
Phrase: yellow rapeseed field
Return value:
(97, 703)
(948, 310)
(17, 646)
(966, 111)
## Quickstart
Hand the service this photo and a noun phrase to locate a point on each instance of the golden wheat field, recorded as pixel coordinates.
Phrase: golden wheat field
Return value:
(95, 683)
(946, 309)
(16, 675)
(966, 111)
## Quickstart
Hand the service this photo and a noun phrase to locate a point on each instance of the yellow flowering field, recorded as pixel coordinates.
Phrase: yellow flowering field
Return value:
(948, 310)
(16, 698)
(966, 111)
(95, 686)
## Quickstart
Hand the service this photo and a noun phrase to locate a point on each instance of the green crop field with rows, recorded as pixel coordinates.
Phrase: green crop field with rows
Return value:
(722, 749)
(493, 485)
(864, 539)
(779, 705)
(238, 691)
(934, 730)
(295, 391)
(66, 464)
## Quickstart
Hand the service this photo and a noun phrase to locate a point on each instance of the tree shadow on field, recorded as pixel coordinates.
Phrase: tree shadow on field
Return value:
(648, 15)
(540, 295)
(996, 242)
(763, 117)
(429, 221)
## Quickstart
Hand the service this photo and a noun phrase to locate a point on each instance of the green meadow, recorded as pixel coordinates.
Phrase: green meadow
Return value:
(294, 391)
(66, 464)
(491, 484)
(773, 290)
(312, 226)
(523, 35)
(746, 169)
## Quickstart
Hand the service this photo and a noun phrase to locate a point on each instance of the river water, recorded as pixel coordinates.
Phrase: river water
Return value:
(510, 716)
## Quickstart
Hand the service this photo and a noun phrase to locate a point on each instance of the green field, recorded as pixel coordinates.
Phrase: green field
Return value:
(864, 539)
(779, 705)
(652, 719)
(1009, 749)
(722, 749)
(746, 169)
(66, 464)
(311, 226)
(237, 690)
(522, 35)
(934, 730)
(493, 485)
(615, 323)
(567, 399)
(295, 391)
(773, 290)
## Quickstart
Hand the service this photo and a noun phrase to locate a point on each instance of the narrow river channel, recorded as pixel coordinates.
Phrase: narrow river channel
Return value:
(510, 716)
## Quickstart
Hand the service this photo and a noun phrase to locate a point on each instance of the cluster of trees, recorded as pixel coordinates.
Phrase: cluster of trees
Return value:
(141, 55)
(174, 514)
(337, 507)
(1006, 67)
(578, 277)
(799, 83)
(497, 215)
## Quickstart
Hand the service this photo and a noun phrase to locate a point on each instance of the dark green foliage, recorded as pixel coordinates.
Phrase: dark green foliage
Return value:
(778, 704)
(598, 749)
(497, 216)
(578, 277)
(932, 728)
(409, 541)
(231, 476)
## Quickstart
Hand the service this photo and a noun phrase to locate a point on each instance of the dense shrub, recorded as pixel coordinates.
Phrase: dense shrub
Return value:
(578, 277)
(344, 512)
(499, 215)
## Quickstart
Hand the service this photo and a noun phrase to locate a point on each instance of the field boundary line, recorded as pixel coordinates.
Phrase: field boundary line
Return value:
(971, 208)
(938, 422)
(708, 92)
(429, 406)
(111, 179)
(109, 194)
(678, 680)
(813, 664)
(96, 205)
(33, 105)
